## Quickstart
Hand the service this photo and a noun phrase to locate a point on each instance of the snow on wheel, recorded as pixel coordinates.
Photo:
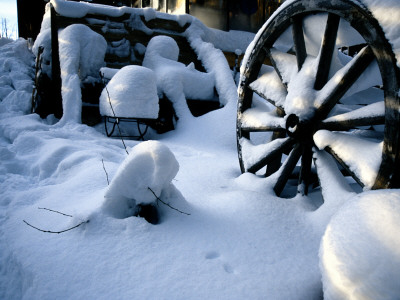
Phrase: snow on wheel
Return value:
(320, 76)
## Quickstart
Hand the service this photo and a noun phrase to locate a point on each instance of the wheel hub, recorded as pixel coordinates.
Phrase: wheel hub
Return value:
(301, 131)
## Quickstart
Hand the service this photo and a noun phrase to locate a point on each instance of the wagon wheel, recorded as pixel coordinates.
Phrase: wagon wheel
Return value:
(300, 95)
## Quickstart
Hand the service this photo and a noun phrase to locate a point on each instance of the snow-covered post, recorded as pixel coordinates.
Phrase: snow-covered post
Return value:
(55, 65)
(82, 54)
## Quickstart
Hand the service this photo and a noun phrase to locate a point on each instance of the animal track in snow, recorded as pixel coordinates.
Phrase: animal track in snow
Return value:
(214, 255)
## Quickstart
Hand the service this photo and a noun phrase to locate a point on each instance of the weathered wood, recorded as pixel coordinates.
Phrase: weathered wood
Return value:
(104, 25)
(273, 155)
(361, 62)
(273, 63)
(305, 170)
(298, 39)
(346, 125)
(327, 48)
(170, 25)
(378, 48)
(287, 170)
(344, 165)
(266, 98)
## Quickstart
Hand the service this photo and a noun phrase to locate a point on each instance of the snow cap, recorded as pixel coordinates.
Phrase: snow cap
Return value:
(132, 93)
(151, 165)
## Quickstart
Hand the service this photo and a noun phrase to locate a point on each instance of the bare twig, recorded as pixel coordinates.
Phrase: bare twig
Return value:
(158, 199)
(61, 231)
(55, 211)
(49, 231)
(108, 181)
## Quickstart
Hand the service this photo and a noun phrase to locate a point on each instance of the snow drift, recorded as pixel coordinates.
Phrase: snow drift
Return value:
(360, 251)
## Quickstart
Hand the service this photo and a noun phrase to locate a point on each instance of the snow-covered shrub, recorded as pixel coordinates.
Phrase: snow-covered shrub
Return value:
(150, 165)
(132, 92)
(360, 251)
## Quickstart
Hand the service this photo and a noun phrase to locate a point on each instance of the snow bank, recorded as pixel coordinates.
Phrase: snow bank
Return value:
(177, 81)
(149, 165)
(132, 93)
(360, 251)
(16, 77)
(82, 54)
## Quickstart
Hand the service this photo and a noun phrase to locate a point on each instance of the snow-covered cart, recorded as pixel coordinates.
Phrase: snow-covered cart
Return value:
(319, 94)
(78, 38)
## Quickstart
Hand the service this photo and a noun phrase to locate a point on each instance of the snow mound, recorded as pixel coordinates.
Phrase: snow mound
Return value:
(82, 54)
(132, 92)
(360, 251)
(150, 165)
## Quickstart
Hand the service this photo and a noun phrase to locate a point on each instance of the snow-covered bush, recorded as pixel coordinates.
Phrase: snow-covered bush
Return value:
(150, 167)
(132, 92)
(360, 251)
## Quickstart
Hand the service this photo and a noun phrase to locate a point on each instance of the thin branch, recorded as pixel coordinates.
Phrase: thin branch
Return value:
(158, 199)
(55, 211)
(49, 231)
(108, 181)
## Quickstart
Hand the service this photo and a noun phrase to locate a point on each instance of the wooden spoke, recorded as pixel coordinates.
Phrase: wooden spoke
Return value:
(345, 125)
(359, 156)
(344, 165)
(305, 171)
(373, 114)
(298, 39)
(274, 64)
(274, 165)
(352, 72)
(262, 95)
(272, 155)
(288, 168)
(327, 49)
(262, 129)
(259, 119)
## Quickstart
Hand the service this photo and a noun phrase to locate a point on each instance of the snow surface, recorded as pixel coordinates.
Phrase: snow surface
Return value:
(240, 241)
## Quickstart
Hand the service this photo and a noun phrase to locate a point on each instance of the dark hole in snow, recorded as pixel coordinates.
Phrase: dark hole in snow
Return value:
(149, 213)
